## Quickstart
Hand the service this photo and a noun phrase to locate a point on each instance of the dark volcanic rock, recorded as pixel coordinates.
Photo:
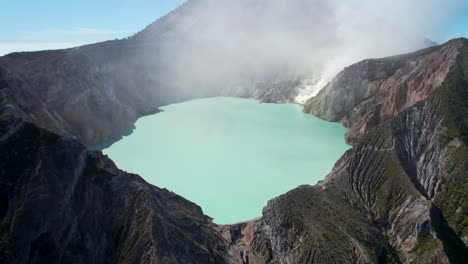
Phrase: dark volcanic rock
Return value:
(63, 204)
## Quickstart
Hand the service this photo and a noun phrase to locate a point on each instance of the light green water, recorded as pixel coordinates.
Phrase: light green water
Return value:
(229, 155)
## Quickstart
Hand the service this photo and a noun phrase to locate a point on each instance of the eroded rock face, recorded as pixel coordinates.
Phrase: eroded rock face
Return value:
(71, 94)
(372, 91)
(399, 195)
(372, 208)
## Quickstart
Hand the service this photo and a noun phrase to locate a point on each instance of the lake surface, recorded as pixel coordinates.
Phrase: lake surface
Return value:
(230, 155)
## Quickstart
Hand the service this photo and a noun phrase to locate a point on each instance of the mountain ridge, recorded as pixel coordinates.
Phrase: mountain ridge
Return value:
(96, 91)
(386, 87)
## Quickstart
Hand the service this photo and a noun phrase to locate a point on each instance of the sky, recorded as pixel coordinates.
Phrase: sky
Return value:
(50, 24)
(457, 25)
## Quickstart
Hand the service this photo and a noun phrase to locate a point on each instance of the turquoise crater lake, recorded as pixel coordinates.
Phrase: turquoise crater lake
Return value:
(230, 155)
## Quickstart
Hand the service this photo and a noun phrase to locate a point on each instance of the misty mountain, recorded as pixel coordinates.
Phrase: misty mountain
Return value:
(275, 52)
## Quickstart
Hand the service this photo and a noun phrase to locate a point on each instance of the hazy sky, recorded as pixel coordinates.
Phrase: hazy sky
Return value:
(49, 24)
(36, 25)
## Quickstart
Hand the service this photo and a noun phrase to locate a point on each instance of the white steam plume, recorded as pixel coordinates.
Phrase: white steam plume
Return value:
(219, 42)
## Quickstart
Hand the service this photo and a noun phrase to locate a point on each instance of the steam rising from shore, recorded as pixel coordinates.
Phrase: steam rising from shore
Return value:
(219, 42)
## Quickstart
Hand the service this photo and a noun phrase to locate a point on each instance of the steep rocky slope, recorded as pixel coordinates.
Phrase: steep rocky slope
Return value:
(61, 203)
(372, 91)
(68, 92)
(400, 193)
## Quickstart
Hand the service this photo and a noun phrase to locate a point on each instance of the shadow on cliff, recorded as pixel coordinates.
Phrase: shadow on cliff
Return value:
(454, 247)
(117, 137)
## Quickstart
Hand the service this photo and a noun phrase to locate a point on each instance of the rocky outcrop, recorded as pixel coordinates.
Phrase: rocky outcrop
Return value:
(372, 91)
(61, 203)
(70, 93)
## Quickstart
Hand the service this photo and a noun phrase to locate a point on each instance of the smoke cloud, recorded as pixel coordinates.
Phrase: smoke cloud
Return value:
(221, 42)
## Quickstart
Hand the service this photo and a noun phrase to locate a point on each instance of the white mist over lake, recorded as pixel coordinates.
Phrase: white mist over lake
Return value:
(229, 155)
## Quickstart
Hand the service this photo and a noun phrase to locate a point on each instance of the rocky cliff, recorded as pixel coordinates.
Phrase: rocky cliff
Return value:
(399, 195)
(372, 91)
